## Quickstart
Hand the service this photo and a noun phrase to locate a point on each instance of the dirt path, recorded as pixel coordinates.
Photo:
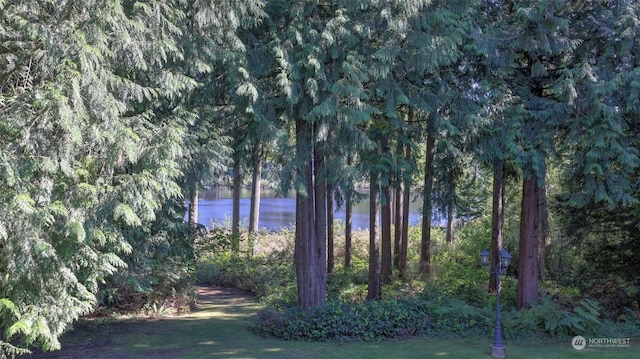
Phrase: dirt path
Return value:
(219, 313)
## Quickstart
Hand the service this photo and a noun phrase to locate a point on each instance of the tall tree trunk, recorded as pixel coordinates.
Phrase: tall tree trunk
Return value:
(386, 270)
(427, 208)
(193, 207)
(348, 225)
(235, 216)
(398, 215)
(309, 275)
(528, 249)
(397, 231)
(374, 289)
(321, 209)
(545, 234)
(406, 202)
(254, 211)
(330, 235)
(497, 218)
(450, 220)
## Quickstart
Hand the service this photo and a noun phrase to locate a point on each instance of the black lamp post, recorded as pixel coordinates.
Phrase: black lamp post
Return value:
(504, 259)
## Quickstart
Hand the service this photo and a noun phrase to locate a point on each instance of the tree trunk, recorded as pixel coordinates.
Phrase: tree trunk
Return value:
(235, 216)
(254, 211)
(321, 210)
(398, 215)
(374, 289)
(528, 249)
(545, 234)
(193, 207)
(397, 232)
(387, 270)
(348, 219)
(497, 218)
(406, 202)
(450, 220)
(330, 239)
(309, 270)
(427, 208)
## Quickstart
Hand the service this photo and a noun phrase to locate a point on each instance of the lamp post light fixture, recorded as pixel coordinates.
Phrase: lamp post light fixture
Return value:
(504, 259)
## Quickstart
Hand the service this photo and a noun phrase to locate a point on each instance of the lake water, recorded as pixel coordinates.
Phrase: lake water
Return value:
(276, 212)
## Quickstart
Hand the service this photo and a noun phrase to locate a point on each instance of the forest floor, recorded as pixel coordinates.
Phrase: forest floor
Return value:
(220, 327)
(219, 313)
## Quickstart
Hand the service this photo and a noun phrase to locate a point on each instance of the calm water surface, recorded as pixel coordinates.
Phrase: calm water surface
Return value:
(276, 212)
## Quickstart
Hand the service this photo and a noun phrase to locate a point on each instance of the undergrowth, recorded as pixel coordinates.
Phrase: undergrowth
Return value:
(454, 302)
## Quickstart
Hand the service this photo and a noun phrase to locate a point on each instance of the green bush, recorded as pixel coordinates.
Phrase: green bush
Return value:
(548, 319)
(373, 320)
(453, 317)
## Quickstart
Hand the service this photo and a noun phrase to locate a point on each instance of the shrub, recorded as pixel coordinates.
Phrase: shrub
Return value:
(454, 317)
(615, 296)
(373, 320)
(547, 318)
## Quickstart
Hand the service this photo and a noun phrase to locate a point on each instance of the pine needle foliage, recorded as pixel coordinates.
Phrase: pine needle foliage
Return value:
(96, 100)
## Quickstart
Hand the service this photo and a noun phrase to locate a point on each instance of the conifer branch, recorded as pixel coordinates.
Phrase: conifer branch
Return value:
(30, 55)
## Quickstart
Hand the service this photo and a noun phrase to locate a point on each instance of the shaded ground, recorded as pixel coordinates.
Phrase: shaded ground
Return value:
(220, 328)
(148, 337)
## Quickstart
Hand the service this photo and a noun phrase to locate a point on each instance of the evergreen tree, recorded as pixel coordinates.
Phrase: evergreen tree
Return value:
(544, 68)
(320, 86)
(96, 100)
(83, 164)
(598, 208)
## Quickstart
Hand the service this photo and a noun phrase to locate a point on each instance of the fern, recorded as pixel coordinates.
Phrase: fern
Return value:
(8, 309)
(589, 312)
(10, 351)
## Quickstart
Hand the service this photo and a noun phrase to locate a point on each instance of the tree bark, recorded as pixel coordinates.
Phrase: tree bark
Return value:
(348, 225)
(193, 207)
(497, 219)
(310, 271)
(545, 234)
(235, 216)
(528, 249)
(374, 289)
(387, 270)
(427, 208)
(397, 232)
(406, 202)
(450, 220)
(320, 210)
(254, 211)
(398, 207)
(330, 235)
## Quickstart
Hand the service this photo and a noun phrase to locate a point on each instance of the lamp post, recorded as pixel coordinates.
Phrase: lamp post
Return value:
(504, 259)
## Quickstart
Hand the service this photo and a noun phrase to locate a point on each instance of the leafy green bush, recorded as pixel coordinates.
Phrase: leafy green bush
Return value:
(547, 318)
(373, 320)
(454, 317)
(347, 285)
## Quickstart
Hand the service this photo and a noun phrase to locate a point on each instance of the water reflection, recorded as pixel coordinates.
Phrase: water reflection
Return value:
(276, 212)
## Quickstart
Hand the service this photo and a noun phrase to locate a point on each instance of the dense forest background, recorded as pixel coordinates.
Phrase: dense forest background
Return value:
(522, 115)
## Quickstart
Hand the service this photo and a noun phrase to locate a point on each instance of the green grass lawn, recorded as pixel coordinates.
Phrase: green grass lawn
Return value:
(221, 328)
